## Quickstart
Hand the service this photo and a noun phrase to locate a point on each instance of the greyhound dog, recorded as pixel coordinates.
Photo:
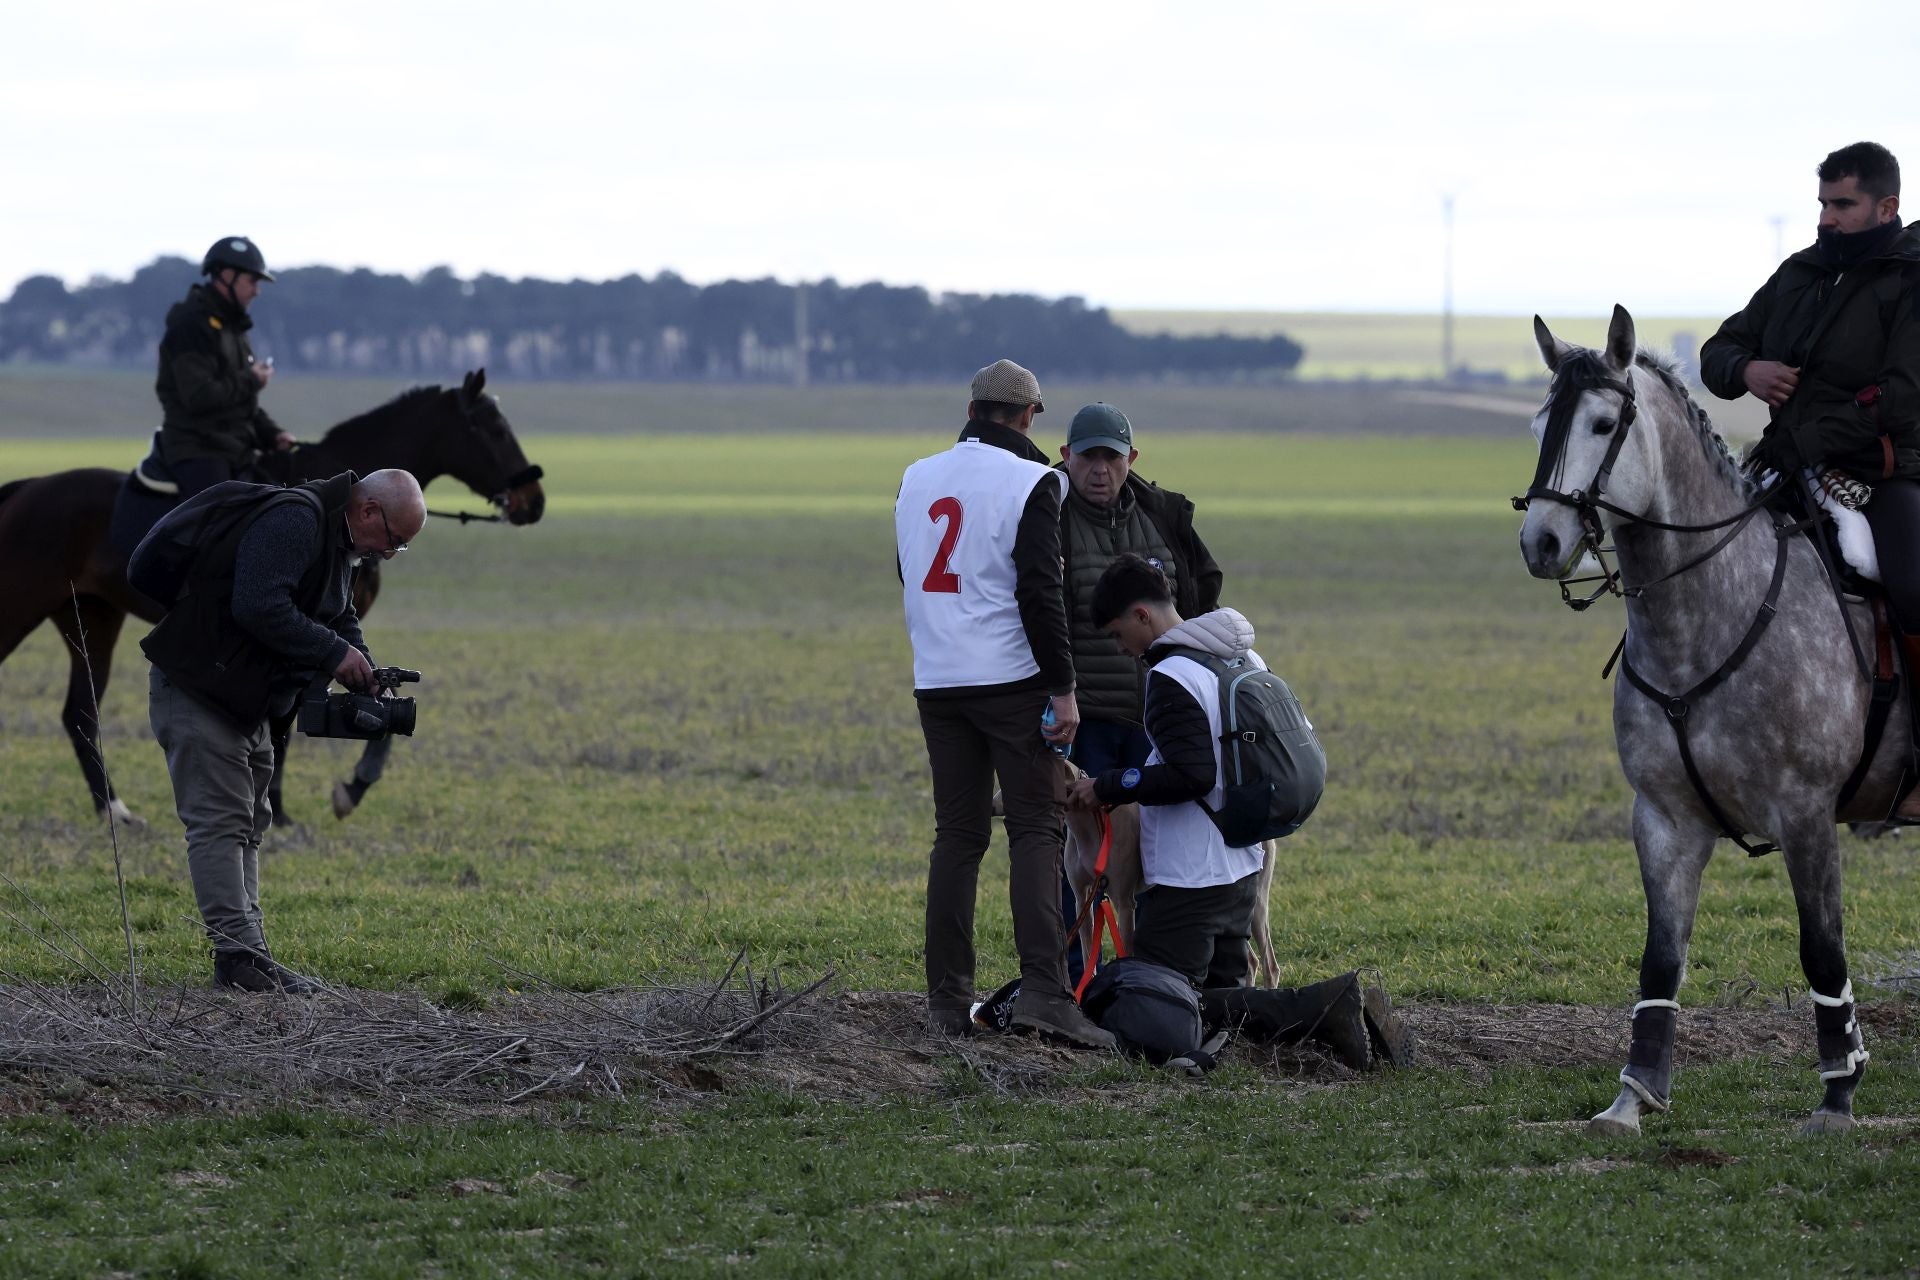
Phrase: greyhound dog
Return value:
(1124, 877)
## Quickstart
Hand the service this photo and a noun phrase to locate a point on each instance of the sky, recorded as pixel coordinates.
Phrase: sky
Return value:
(1207, 156)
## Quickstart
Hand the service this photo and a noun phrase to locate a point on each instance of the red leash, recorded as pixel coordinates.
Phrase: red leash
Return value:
(1102, 908)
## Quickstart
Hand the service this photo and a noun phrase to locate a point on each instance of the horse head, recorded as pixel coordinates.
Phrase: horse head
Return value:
(1592, 465)
(486, 456)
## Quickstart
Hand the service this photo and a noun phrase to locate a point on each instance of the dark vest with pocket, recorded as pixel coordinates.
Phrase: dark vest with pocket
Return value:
(1107, 682)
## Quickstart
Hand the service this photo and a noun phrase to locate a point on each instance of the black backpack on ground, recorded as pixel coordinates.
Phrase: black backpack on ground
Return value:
(160, 564)
(1150, 1009)
(1274, 770)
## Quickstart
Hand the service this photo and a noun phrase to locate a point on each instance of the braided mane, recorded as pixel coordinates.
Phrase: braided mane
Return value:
(1711, 442)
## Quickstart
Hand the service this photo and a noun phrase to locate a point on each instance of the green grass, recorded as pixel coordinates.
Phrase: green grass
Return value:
(675, 719)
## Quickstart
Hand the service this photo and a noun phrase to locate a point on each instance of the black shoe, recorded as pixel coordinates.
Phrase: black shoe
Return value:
(252, 971)
(1341, 1024)
(953, 1023)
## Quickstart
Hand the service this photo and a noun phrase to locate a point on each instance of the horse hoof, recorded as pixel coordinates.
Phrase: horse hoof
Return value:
(1827, 1122)
(118, 813)
(1609, 1125)
(343, 801)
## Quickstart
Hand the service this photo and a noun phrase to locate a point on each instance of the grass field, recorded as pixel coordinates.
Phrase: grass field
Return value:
(674, 720)
(1344, 345)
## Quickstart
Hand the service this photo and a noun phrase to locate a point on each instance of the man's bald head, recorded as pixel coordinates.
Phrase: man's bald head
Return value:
(385, 511)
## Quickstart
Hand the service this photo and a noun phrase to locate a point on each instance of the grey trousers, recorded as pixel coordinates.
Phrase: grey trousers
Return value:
(220, 777)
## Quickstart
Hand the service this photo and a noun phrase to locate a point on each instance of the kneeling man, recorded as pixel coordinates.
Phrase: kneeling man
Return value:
(1195, 914)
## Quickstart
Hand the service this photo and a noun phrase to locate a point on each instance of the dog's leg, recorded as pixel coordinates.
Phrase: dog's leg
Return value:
(1267, 969)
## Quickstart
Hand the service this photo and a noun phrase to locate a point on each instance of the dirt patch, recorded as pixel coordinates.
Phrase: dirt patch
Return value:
(92, 1054)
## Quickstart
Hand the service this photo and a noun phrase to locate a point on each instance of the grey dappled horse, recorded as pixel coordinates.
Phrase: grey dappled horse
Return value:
(1770, 703)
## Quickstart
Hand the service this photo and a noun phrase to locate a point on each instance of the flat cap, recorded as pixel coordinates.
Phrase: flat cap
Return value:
(1005, 382)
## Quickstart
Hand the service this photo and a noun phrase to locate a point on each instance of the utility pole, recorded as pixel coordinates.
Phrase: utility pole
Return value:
(1446, 300)
(800, 339)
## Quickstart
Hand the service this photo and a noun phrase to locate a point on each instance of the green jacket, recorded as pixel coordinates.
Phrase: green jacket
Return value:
(208, 394)
(1846, 332)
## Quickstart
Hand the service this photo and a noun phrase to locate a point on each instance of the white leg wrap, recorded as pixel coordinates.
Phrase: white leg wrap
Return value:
(1645, 1094)
(1663, 1004)
(1834, 1002)
(1854, 1060)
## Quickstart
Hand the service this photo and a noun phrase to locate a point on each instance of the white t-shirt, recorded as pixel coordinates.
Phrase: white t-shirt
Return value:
(954, 525)
(1179, 845)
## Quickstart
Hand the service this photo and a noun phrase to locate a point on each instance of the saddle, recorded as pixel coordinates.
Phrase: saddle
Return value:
(151, 490)
(1845, 545)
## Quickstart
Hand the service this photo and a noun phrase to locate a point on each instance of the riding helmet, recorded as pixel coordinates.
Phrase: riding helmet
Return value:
(237, 252)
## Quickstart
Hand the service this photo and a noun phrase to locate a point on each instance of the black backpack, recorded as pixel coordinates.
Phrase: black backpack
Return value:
(1150, 1009)
(160, 564)
(1274, 770)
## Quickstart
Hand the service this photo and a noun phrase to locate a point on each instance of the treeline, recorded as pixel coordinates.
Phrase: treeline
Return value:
(323, 319)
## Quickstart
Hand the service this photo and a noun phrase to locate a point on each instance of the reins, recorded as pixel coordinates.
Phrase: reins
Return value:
(1579, 372)
(526, 476)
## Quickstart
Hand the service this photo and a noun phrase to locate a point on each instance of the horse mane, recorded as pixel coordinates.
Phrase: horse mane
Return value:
(1712, 444)
(406, 401)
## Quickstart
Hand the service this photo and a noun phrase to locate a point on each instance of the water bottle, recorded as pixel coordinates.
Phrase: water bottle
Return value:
(1047, 722)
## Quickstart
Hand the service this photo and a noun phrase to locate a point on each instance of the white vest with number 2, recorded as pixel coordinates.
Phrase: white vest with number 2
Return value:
(954, 524)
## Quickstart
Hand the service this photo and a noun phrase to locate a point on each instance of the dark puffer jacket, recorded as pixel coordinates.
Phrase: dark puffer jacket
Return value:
(1151, 522)
(1845, 332)
(208, 394)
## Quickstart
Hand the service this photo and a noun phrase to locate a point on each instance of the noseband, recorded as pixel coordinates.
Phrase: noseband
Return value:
(1581, 372)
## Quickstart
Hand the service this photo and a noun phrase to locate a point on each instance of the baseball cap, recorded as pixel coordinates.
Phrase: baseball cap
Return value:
(1100, 426)
(1005, 382)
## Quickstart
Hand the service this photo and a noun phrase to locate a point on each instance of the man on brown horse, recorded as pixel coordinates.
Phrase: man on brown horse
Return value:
(209, 384)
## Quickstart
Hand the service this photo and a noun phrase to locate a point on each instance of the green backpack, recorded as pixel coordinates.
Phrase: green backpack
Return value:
(1273, 768)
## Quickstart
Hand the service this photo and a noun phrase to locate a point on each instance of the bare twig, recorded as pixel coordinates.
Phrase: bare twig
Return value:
(113, 832)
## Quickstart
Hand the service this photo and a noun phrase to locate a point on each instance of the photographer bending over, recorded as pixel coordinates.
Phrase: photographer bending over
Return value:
(1195, 914)
(266, 605)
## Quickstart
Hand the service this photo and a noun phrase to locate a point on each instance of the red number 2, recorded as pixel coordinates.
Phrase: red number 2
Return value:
(939, 576)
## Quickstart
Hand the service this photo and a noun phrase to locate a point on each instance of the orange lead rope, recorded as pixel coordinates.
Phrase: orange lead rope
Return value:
(1102, 909)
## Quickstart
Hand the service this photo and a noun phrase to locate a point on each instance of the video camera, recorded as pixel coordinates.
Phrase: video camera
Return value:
(359, 715)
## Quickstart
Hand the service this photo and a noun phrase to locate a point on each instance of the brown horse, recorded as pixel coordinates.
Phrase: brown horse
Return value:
(58, 563)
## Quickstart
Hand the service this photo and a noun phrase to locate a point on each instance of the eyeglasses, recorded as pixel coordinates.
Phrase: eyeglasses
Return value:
(392, 548)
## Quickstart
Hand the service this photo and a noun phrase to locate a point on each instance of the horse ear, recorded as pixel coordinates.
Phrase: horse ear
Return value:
(479, 380)
(1552, 350)
(1620, 339)
(467, 387)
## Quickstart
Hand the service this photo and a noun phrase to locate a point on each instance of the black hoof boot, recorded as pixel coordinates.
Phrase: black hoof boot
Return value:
(1649, 1069)
(1843, 1061)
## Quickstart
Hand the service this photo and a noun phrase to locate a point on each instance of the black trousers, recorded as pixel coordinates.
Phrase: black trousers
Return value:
(1202, 933)
(971, 740)
(1894, 516)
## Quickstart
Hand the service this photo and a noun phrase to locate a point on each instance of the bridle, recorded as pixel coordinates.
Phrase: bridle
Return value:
(525, 476)
(1580, 372)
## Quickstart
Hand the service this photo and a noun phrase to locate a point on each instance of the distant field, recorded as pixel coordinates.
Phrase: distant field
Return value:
(1385, 346)
(118, 405)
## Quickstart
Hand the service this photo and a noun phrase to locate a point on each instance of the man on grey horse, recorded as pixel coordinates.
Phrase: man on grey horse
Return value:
(1832, 343)
(209, 384)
